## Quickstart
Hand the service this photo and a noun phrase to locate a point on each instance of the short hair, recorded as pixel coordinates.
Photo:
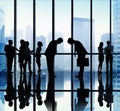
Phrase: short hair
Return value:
(22, 41)
(70, 41)
(39, 43)
(27, 43)
(108, 42)
(59, 40)
(10, 42)
(101, 43)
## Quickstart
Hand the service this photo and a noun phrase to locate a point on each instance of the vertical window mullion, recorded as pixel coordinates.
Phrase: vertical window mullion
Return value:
(72, 3)
(53, 37)
(91, 52)
(110, 20)
(34, 34)
(53, 19)
(110, 32)
(15, 34)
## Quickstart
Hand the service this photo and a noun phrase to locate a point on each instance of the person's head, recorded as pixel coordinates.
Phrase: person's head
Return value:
(59, 40)
(10, 103)
(101, 103)
(27, 103)
(101, 44)
(22, 104)
(22, 41)
(39, 102)
(70, 41)
(107, 105)
(10, 42)
(39, 44)
(108, 42)
(27, 43)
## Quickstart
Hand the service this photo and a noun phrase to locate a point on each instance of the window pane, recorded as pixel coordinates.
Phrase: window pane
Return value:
(81, 22)
(63, 23)
(81, 101)
(62, 72)
(4, 105)
(24, 29)
(101, 15)
(96, 105)
(43, 22)
(6, 26)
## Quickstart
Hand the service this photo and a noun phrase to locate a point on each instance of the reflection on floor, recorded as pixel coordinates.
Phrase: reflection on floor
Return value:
(63, 82)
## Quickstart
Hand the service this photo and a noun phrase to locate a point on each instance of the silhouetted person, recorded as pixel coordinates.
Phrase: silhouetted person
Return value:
(100, 56)
(100, 89)
(81, 62)
(28, 90)
(10, 90)
(38, 55)
(21, 58)
(109, 57)
(38, 89)
(108, 96)
(27, 56)
(21, 91)
(50, 54)
(10, 54)
(81, 52)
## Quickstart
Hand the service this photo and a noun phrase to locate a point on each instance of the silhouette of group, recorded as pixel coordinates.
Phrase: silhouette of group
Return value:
(108, 97)
(24, 87)
(24, 59)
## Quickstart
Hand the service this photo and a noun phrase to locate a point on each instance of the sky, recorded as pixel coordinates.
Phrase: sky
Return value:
(62, 15)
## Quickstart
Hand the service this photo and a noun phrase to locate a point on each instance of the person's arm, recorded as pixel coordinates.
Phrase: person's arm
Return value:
(17, 49)
(104, 50)
(5, 48)
(75, 51)
(112, 48)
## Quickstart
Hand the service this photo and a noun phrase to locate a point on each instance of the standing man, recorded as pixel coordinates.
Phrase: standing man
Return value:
(109, 77)
(100, 56)
(10, 53)
(21, 56)
(38, 54)
(109, 57)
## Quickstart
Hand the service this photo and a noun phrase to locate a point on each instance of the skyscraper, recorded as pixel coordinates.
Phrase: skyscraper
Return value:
(116, 31)
(2, 41)
(116, 43)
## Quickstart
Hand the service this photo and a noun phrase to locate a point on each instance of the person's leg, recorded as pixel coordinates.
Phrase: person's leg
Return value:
(111, 61)
(100, 66)
(8, 63)
(11, 62)
(106, 64)
(50, 65)
(25, 65)
(81, 76)
(29, 64)
(38, 64)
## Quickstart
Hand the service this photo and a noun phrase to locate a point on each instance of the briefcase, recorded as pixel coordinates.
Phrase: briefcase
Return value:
(81, 62)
